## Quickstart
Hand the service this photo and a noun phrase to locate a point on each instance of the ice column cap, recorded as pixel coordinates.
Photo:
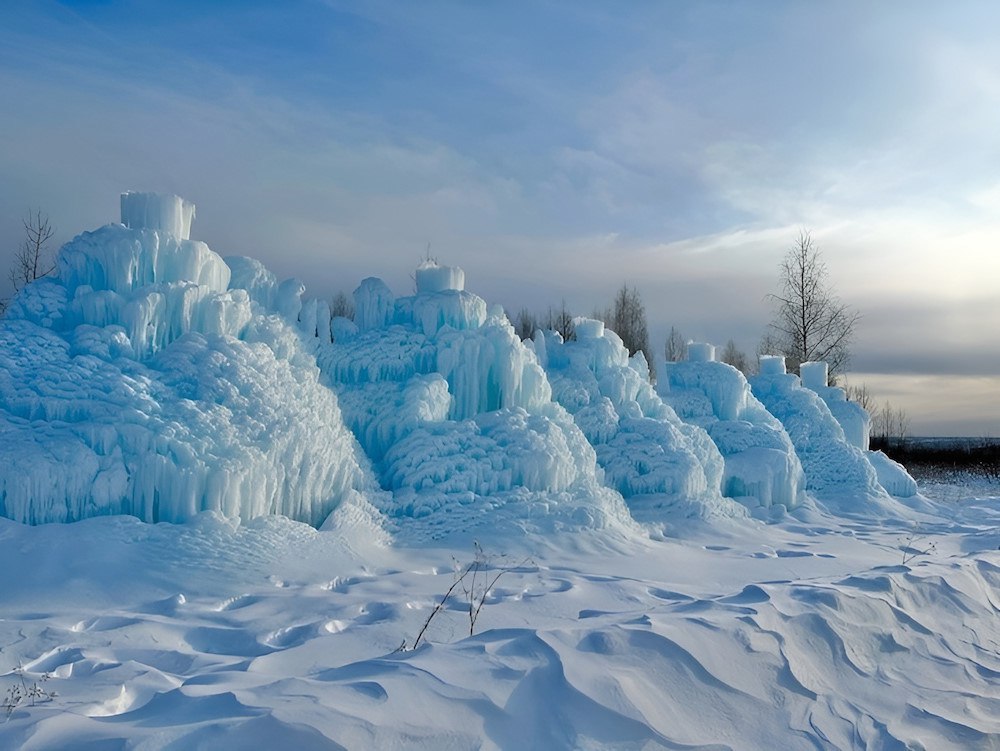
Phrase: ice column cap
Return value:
(432, 277)
(166, 213)
(772, 364)
(815, 375)
(588, 328)
(701, 352)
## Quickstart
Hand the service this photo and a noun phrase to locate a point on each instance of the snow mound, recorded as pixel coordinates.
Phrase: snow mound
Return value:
(661, 465)
(458, 419)
(139, 382)
(761, 466)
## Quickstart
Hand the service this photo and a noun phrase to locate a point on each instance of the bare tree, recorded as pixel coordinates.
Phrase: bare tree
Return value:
(733, 355)
(342, 306)
(676, 348)
(890, 426)
(33, 258)
(628, 320)
(810, 323)
(560, 320)
(526, 324)
(862, 397)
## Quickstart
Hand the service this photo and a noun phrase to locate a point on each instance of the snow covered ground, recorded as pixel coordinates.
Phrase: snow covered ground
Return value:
(800, 634)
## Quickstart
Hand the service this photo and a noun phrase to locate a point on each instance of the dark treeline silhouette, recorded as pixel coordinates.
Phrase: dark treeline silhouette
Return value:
(929, 459)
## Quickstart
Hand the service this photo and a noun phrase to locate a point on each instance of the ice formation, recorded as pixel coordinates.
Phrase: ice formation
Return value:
(457, 415)
(657, 462)
(761, 466)
(152, 377)
(852, 416)
(139, 380)
(856, 422)
(836, 469)
(171, 215)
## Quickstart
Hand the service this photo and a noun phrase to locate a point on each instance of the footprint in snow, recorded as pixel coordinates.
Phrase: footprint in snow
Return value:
(794, 554)
(376, 612)
(292, 636)
(238, 602)
(669, 595)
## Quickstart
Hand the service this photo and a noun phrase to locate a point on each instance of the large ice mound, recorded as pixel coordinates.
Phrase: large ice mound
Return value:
(837, 470)
(856, 423)
(661, 465)
(152, 377)
(457, 416)
(761, 466)
(138, 381)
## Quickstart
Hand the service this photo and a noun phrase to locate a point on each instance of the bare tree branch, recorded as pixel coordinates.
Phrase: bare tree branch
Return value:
(32, 259)
(810, 323)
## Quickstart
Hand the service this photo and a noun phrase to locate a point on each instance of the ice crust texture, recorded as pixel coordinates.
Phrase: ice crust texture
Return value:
(830, 436)
(762, 468)
(457, 416)
(660, 464)
(152, 377)
(137, 381)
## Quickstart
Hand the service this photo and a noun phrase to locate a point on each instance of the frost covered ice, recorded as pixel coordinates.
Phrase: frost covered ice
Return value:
(457, 416)
(661, 465)
(139, 381)
(152, 377)
(837, 470)
(856, 424)
(761, 465)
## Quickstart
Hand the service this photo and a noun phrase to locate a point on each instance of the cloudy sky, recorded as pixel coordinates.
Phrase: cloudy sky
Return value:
(555, 150)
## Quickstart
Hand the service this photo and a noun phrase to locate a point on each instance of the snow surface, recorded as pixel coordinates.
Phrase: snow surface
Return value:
(793, 635)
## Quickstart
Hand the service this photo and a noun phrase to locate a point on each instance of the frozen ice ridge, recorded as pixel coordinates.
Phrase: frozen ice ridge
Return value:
(662, 466)
(762, 468)
(857, 426)
(457, 416)
(138, 380)
(837, 470)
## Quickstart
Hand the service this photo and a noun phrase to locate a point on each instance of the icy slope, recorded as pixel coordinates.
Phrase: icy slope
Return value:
(837, 471)
(856, 423)
(137, 381)
(458, 418)
(761, 466)
(661, 465)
